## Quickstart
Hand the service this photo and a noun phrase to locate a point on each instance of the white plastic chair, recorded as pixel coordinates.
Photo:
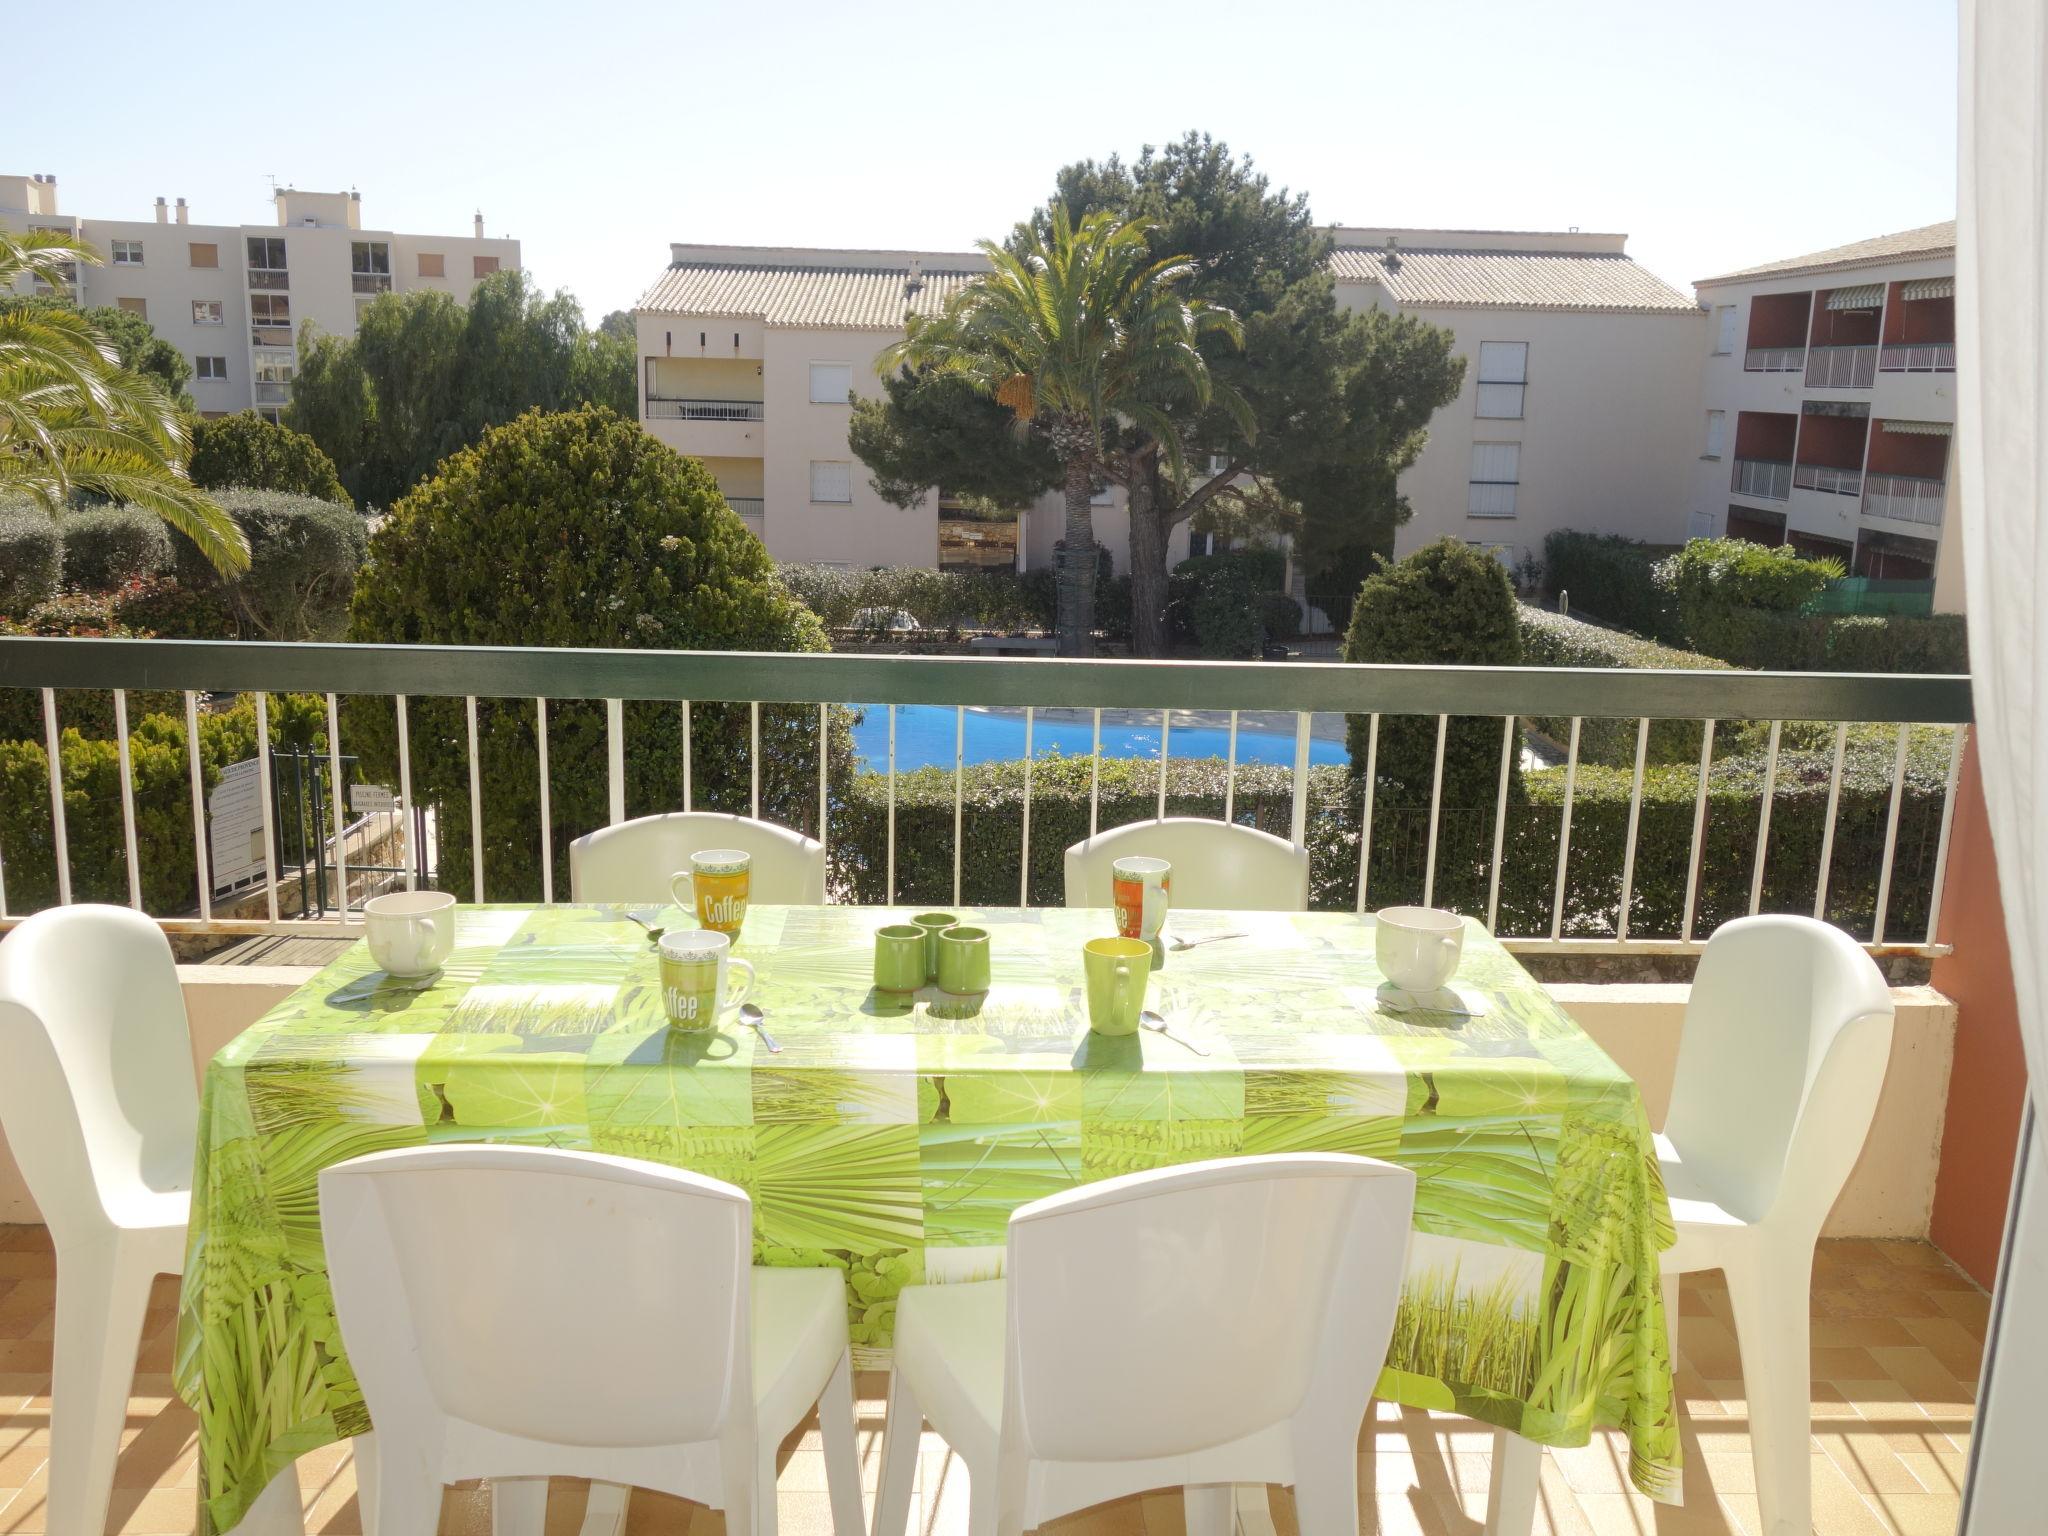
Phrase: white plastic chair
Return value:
(99, 1104)
(1199, 1327)
(1787, 1038)
(635, 860)
(1215, 864)
(515, 1312)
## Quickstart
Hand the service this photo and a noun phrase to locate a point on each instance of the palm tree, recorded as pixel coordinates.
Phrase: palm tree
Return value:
(1078, 332)
(72, 419)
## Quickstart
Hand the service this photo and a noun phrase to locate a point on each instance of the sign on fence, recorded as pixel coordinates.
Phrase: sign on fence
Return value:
(367, 798)
(235, 810)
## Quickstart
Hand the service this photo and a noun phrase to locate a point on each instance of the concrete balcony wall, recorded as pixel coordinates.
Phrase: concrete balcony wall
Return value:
(1890, 1194)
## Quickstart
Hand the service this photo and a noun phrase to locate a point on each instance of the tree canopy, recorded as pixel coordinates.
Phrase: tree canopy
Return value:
(425, 376)
(246, 450)
(1335, 404)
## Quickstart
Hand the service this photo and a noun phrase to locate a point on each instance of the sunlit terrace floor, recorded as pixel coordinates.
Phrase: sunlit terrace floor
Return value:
(1898, 1335)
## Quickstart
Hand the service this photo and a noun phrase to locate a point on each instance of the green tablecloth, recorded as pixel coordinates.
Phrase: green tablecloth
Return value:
(892, 1139)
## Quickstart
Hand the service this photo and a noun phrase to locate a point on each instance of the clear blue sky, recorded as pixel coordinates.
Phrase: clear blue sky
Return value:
(598, 131)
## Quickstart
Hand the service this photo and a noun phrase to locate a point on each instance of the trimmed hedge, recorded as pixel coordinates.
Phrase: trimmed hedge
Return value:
(93, 827)
(244, 450)
(108, 547)
(31, 559)
(304, 554)
(992, 825)
(1608, 575)
(936, 599)
(1817, 642)
(1227, 605)
(1552, 640)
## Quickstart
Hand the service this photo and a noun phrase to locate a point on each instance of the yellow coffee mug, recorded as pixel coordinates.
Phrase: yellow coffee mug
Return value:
(715, 887)
(1117, 971)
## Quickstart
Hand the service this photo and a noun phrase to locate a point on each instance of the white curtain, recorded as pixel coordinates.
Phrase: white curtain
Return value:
(2002, 443)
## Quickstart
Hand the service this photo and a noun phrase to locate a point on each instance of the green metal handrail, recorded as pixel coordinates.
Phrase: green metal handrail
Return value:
(744, 676)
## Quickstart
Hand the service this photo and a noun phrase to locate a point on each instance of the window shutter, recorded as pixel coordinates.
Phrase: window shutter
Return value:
(1717, 433)
(831, 383)
(1725, 315)
(831, 480)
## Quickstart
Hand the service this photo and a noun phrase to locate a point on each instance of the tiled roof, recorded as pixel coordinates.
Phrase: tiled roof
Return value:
(824, 296)
(1906, 245)
(1482, 279)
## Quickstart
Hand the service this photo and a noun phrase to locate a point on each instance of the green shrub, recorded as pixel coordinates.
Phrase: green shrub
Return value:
(163, 608)
(304, 554)
(1225, 614)
(992, 831)
(997, 600)
(107, 547)
(1446, 604)
(246, 450)
(1279, 616)
(578, 529)
(94, 833)
(1608, 576)
(31, 558)
(1552, 640)
(1818, 642)
(1728, 594)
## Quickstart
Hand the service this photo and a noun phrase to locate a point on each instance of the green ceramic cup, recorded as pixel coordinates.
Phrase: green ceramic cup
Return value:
(933, 924)
(963, 960)
(899, 958)
(1117, 971)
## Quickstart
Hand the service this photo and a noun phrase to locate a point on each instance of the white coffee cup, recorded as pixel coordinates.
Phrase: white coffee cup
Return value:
(1418, 947)
(411, 933)
(697, 977)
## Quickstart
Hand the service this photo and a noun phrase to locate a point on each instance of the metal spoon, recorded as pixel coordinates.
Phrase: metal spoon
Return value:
(751, 1017)
(645, 916)
(1178, 942)
(1157, 1025)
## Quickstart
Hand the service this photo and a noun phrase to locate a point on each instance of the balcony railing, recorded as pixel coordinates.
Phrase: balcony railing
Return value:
(370, 282)
(669, 408)
(1774, 359)
(1907, 498)
(1765, 478)
(1826, 477)
(269, 278)
(1841, 367)
(747, 506)
(1885, 848)
(1917, 357)
(269, 393)
(270, 335)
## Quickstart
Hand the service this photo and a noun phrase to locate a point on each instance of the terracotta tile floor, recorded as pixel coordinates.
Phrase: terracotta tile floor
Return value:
(1898, 1333)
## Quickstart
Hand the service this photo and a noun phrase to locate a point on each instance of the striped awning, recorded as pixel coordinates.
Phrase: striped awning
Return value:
(1864, 296)
(1929, 288)
(1919, 428)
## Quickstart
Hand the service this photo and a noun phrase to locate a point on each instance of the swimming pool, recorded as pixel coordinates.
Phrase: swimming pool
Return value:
(924, 738)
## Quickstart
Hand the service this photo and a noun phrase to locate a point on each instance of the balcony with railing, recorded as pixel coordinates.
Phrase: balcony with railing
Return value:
(1831, 479)
(1917, 357)
(1767, 479)
(1777, 333)
(666, 408)
(1841, 367)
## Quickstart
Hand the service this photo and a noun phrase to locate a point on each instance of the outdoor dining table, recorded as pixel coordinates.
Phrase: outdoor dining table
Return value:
(893, 1135)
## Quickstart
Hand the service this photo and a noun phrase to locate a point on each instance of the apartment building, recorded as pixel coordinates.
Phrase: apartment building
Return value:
(1582, 390)
(748, 356)
(1829, 403)
(232, 297)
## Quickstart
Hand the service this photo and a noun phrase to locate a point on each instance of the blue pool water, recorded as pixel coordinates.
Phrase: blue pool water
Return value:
(924, 738)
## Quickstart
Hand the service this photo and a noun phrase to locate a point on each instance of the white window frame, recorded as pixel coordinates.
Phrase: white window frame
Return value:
(126, 253)
(1496, 390)
(272, 302)
(209, 312)
(1724, 330)
(210, 367)
(267, 241)
(1717, 435)
(1493, 497)
(830, 397)
(836, 469)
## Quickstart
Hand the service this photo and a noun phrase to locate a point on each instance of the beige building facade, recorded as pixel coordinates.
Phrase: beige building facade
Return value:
(233, 297)
(749, 352)
(1829, 406)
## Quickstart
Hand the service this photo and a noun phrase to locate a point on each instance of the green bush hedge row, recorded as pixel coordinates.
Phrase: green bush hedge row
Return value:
(93, 826)
(1818, 642)
(1552, 640)
(31, 559)
(992, 825)
(936, 599)
(1607, 575)
(109, 546)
